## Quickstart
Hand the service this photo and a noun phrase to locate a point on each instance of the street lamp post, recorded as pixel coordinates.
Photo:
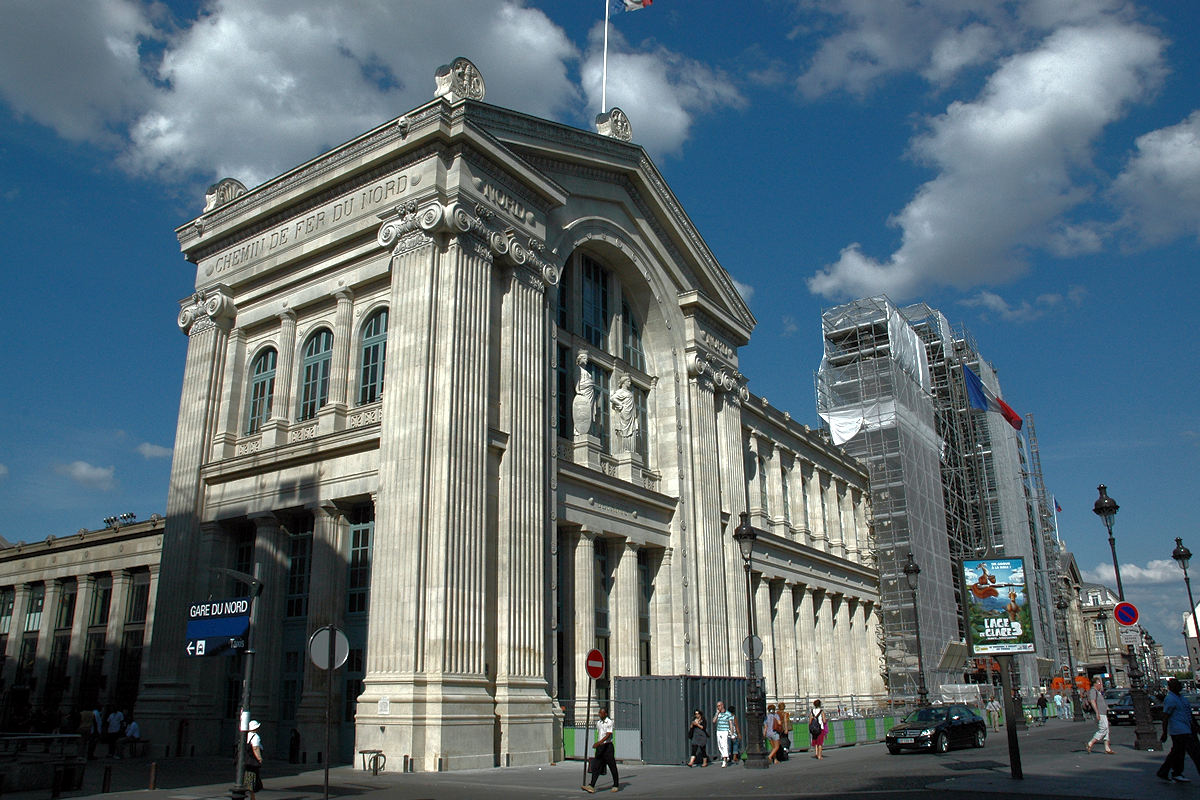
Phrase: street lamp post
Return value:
(1144, 739)
(1182, 556)
(1064, 606)
(756, 757)
(1102, 618)
(911, 573)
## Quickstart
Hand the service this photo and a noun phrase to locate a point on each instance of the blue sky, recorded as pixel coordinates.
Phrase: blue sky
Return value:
(1031, 168)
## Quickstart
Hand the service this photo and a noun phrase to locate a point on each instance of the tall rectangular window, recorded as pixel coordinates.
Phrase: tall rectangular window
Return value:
(566, 392)
(33, 607)
(262, 390)
(1099, 635)
(645, 597)
(595, 304)
(643, 439)
(631, 338)
(564, 300)
(603, 583)
(763, 491)
(314, 381)
(601, 424)
(64, 617)
(358, 583)
(374, 350)
(787, 502)
(7, 596)
(299, 563)
(139, 597)
(101, 599)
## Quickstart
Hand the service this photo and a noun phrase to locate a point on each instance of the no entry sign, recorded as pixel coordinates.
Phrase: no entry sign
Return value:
(595, 664)
(1125, 614)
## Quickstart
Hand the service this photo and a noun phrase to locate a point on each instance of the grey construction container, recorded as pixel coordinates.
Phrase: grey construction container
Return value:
(667, 703)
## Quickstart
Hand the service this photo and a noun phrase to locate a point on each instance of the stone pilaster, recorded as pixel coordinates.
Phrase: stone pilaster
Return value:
(874, 655)
(785, 636)
(764, 619)
(167, 685)
(625, 651)
(41, 661)
(862, 648)
(275, 430)
(708, 598)
(333, 415)
(232, 422)
(147, 627)
(849, 529)
(824, 645)
(733, 502)
(816, 509)
(271, 554)
(325, 607)
(843, 680)
(803, 490)
(806, 644)
(667, 657)
(16, 631)
(85, 592)
(524, 528)
(115, 634)
(772, 458)
(835, 528)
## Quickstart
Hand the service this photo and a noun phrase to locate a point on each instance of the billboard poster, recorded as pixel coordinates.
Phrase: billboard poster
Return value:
(999, 621)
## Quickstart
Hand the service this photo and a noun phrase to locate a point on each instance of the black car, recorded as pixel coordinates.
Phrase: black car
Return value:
(1120, 711)
(938, 728)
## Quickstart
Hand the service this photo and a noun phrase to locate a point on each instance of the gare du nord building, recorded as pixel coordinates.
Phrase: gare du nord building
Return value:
(467, 387)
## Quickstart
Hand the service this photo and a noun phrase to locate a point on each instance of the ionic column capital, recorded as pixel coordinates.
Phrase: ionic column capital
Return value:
(207, 309)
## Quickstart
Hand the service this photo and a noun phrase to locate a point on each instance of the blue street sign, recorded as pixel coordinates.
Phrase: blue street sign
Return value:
(217, 626)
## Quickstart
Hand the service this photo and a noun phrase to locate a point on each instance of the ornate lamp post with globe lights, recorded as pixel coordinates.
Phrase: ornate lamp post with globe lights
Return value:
(1182, 556)
(756, 757)
(1144, 739)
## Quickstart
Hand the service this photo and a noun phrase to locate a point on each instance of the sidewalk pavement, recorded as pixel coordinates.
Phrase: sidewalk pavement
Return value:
(1053, 757)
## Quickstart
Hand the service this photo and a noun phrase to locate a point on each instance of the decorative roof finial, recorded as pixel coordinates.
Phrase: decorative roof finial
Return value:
(222, 192)
(459, 80)
(615, 125)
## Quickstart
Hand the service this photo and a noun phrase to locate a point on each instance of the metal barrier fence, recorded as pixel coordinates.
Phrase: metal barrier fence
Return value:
(579, 728)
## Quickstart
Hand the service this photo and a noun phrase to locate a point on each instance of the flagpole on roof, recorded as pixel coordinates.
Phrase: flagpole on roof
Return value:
(604, 69)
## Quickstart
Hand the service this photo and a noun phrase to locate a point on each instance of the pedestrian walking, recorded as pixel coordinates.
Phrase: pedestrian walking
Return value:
(605, 756)
(1043, 705)
(1058, 706)
(723, 724)
(785, 734)
(818, 727)
(1100, 708)
(1177, 722)
(735, 737)
(114, 726)
(252, 763)
(772, 725)
(698, 739)
(993, 713)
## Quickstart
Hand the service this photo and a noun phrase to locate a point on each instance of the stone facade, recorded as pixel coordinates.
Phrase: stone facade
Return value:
(76, 617)
(554, 458)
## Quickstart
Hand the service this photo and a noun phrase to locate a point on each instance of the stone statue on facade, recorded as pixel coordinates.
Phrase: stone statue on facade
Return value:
(626, 425)
(583, 408)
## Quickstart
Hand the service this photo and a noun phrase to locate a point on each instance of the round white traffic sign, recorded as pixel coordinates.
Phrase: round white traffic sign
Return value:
(318, 648)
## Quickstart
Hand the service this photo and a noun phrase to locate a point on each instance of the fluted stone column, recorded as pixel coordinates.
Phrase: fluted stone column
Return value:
(771, 458)
(285, 364)
(825, 646)
(806, 642)
(585, 613)
(849, 532)
(816, 510)
(232, 393)
(803, 518)
(733, 502)
(524, 526)
(785, 635)
(843, 646)
(113, 636)
(326, 602)
(147, 626)
(863, 530)
(873, 634)
(271, 554)
(85, 591)
(16, 631)
(764, 618)
(625, 655)
(862, 647)
(833, 508)
(668, 658)
(171, 682)
(710, 617)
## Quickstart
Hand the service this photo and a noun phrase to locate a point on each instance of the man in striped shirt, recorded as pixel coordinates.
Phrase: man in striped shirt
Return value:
(723, 725)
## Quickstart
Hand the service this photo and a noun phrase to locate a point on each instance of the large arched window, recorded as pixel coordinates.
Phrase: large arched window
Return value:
(314, 380)
(374, 348)
(262, 390)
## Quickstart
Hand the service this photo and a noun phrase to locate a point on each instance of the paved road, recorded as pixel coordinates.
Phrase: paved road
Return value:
(1054, 761)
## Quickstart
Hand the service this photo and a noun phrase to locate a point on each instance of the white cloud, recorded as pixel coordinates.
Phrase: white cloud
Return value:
(89, 476)
(1159, 189)
(153, 450)
(1025, 310)
(1006, 165)
(660, 90)
(1159, 570)
(744, 289)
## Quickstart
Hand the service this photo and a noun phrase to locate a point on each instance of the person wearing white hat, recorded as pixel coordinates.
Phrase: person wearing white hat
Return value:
(253, 760)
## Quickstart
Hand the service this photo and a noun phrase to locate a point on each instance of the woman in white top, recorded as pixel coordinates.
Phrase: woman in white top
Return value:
(817, 728)
(771, 728)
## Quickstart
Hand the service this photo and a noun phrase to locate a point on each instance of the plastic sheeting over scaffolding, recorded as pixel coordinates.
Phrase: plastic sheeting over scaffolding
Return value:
(908, 350)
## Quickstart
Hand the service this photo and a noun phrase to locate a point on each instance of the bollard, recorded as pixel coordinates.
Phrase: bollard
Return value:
(56, 783)
(106, 782)
(153, 775)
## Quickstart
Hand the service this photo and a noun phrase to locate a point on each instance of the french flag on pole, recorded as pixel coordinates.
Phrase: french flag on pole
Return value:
(981, 397)
(635, 5)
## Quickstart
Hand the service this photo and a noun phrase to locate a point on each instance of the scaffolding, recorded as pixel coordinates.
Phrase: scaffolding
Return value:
(947, 482)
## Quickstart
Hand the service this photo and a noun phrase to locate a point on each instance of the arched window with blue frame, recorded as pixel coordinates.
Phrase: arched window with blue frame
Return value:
(374, 351)
(314, 379)
(262, 390)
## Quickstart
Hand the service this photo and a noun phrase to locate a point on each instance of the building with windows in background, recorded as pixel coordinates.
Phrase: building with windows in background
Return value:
(467, 387)
(76, 614)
